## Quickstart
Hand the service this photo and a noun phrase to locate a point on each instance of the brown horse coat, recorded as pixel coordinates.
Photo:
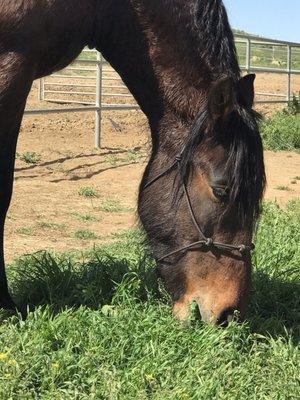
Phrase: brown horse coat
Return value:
(178, 59)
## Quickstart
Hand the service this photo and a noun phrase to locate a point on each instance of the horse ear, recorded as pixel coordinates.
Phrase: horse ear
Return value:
(221, 98)
(246, 90)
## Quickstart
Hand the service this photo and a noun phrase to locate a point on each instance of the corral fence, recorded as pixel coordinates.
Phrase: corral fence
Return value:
(262, 55)
(90, 84)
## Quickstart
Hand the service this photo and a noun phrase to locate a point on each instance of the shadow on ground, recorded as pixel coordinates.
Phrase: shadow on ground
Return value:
(106, 151)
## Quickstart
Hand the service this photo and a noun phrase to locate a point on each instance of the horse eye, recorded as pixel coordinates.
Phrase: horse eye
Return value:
(220, 192)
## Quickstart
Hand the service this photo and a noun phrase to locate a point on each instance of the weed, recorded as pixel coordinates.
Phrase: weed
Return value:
(87, 191)
(50, 225)
(133, 155)
(57, 168)
(293, 107)
(86, 217)
(112, 206)
(282, 187)
(25, 231)
(85, 235)
(30, 158)
(112, 160)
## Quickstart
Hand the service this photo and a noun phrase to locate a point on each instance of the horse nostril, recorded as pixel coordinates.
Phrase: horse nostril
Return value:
(226, 316)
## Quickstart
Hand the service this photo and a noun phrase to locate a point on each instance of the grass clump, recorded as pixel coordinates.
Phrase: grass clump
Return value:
(293, 107)
(112, 160)
(133, 155)
(282, 130)
(87, 191)
(50, 225)
(25, 231)
(130, 156)
(85, 235)
(283, 187)
(30, 157)
(102, 327)
(112, 206)
(85, 217)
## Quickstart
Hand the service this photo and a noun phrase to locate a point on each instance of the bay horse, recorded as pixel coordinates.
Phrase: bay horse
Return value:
(201, 192)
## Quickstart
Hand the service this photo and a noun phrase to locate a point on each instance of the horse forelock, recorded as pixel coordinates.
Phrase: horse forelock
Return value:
(244, 167)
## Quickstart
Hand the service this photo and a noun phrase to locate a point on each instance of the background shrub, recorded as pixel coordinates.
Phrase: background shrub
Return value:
(282, 130)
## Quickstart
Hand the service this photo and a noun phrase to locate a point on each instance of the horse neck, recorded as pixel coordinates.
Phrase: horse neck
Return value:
(159, 64)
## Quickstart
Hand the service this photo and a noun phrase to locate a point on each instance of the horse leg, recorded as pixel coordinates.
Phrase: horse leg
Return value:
(16, 76)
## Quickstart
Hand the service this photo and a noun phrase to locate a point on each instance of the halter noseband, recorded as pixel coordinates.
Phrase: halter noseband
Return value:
(204, 243)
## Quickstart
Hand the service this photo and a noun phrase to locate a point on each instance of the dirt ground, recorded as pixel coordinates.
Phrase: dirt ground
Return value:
(76, 196)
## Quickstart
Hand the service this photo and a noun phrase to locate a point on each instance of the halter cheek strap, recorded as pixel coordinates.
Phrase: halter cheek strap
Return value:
(204, 243)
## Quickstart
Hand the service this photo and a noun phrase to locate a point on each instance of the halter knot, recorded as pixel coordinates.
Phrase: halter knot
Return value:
(242, 249)
(209, 242)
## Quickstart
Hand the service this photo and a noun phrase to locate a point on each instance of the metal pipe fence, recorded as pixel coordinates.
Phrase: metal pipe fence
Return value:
(90, 84)
(263, 55)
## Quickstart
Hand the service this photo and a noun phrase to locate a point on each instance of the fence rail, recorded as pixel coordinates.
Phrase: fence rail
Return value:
(93, 86)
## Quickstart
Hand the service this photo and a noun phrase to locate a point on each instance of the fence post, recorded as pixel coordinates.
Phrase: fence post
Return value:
(248, 55)
(289, 67)
(41, 89)
(98, 112)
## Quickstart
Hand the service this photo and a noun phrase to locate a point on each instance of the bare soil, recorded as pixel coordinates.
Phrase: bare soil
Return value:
(48, 211)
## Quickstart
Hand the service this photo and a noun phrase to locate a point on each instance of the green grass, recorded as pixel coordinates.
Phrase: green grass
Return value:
(102, 327)
(29, 157)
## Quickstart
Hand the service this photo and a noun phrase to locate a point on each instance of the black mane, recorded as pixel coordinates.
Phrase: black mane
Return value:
(215, 38)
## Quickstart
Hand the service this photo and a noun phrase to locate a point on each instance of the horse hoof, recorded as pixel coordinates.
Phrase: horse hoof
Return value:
(13, 312)
(8, 305)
